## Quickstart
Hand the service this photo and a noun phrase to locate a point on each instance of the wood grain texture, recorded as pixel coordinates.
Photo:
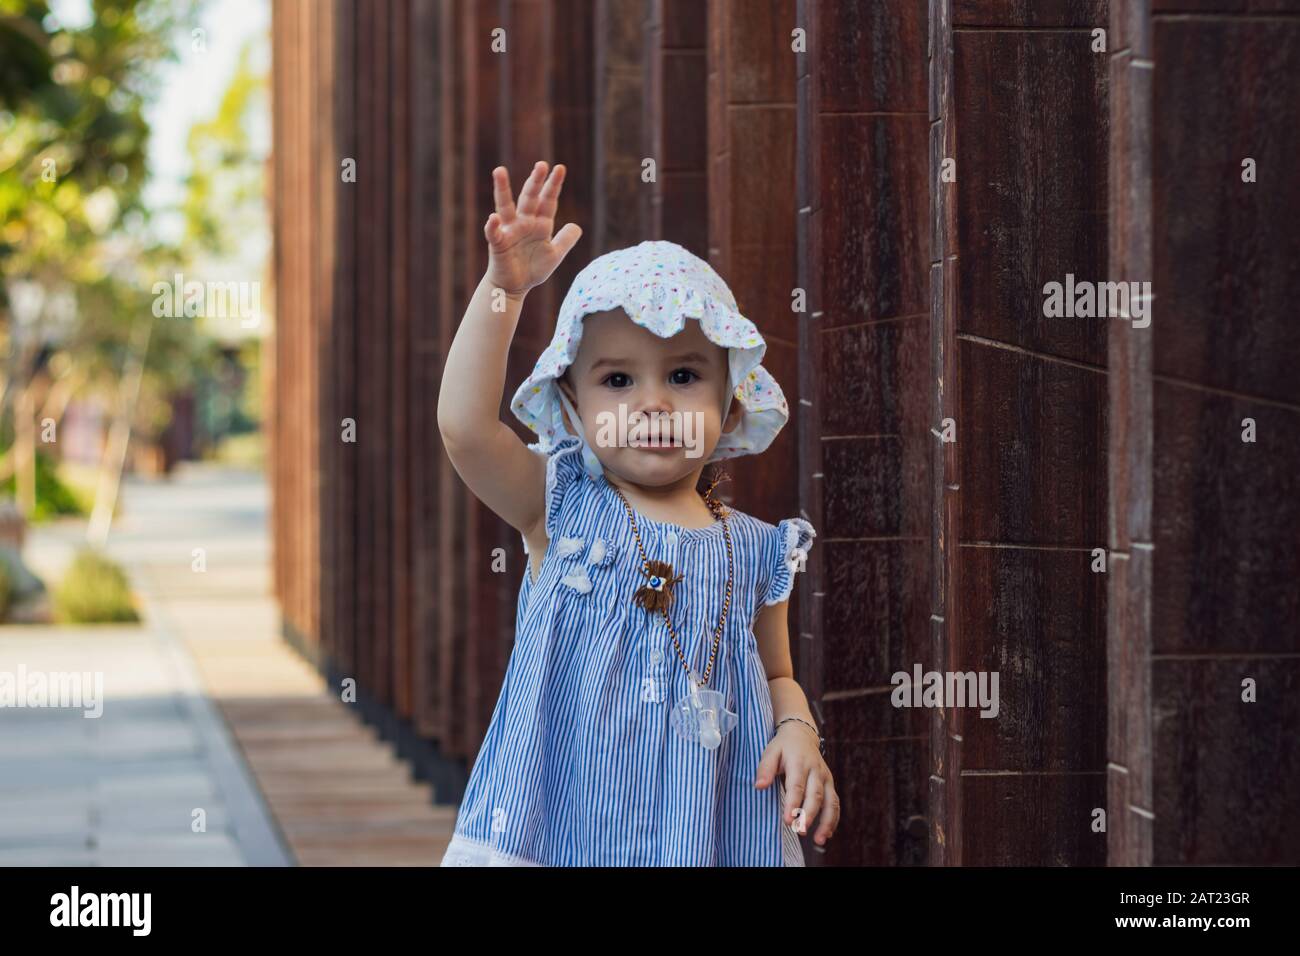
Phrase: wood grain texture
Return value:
(1130, 440)
(1020, 102)
(1039, 622)
(1204, 592)
(428, 288)
(1225, 521)
(1033, 449)
(1225, 771)
(1031, 185)
(1028, 13)
(862, 231)
(1219, 94)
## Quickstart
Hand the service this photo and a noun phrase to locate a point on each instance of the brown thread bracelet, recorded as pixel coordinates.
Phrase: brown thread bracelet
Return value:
(821, 741)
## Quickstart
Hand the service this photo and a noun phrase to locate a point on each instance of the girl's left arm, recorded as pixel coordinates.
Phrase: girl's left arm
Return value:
(794, 751)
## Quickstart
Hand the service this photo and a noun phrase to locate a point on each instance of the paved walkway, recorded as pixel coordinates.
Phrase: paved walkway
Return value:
(205, 708)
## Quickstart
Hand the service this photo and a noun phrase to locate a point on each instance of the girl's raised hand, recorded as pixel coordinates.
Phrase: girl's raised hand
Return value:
(521, 252)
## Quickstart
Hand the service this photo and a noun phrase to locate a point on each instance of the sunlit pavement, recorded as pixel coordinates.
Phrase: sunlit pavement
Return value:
(157, 779)
(206, 709)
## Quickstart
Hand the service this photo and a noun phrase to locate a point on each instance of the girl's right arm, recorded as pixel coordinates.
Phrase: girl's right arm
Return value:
(487, 454)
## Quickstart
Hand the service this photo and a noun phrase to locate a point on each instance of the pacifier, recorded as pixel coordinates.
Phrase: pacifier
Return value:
(702, 715)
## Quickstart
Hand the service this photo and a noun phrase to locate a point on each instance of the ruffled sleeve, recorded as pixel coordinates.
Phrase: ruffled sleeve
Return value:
(563, 469)
(791, 540)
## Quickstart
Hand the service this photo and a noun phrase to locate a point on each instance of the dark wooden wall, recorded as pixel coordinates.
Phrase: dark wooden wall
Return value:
(820, 172)
(1019, 101)
(864, 407)
(1206, 595)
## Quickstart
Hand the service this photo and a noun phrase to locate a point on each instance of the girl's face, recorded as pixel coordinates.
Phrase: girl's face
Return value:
(671, 392)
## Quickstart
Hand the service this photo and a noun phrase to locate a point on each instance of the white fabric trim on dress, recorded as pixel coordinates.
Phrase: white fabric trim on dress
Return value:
(463, 851)
(552, 477)
(799, 535)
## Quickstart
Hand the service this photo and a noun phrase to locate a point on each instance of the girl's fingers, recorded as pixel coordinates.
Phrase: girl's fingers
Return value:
(565, 240)
(550, 194)
(813, 800)
(501, 193)
(830, 814)
(770, 762)
(528, 195)
(795, 786)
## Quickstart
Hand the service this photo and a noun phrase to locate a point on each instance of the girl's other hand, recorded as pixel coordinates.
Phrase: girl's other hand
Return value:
(809, 786)
(521, 252)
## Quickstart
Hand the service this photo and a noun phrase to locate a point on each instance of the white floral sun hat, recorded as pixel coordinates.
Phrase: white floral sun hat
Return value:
(659, 285)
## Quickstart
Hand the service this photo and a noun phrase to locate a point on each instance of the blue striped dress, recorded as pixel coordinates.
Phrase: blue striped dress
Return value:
(580, 765)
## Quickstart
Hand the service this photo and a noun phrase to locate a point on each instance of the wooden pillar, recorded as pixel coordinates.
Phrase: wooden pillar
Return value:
(292, 427)
(570, 75)
(1128, 632)
(342, 459)
(325, 185)
(619, 142)
(675, 123)
(1205, 504)
(374, 437)
(400, 394)
(751, 189)
(863, 426)
(431, 232)
(1020, 106)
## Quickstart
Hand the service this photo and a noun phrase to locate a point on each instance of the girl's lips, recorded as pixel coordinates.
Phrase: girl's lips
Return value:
(645, 446)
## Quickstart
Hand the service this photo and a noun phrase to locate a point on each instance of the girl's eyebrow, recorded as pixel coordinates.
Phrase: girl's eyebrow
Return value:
(688, 357)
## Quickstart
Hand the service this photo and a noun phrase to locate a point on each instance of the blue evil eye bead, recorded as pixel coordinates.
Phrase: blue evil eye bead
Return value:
(657, 583)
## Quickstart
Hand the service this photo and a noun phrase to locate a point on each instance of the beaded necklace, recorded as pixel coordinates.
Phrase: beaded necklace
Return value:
(701, 716)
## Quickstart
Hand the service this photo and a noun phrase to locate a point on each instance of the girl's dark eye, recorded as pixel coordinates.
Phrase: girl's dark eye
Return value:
(610, 380)
(689, 374)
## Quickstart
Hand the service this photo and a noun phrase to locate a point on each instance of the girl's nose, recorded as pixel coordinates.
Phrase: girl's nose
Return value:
(655, 400)
(656, 412)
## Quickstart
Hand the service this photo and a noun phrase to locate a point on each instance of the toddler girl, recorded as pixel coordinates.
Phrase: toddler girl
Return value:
(648, 705)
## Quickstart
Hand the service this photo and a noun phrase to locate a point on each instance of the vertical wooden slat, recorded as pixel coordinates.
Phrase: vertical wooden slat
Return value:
(675, 123)
(864, 407)
(751, 87)
(1128, 646)
(371, 614)
(460, 91)
(401, 450)
(429, 289)
(751, 91)
(325, 434)
(570, 74)
(945, 480)
(1225, 519)
(346, 653)
(620, 145)
(1025, 500)
(309, 502)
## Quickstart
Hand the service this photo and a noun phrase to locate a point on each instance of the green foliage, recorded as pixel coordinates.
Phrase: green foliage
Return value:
(73, 137)
(74, 145)
(53, 496)
(247, 450)
(95, 590)
(6, 591)
(225, 187)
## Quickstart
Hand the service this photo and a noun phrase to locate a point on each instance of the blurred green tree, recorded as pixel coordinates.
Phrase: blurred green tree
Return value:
(76, 267)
